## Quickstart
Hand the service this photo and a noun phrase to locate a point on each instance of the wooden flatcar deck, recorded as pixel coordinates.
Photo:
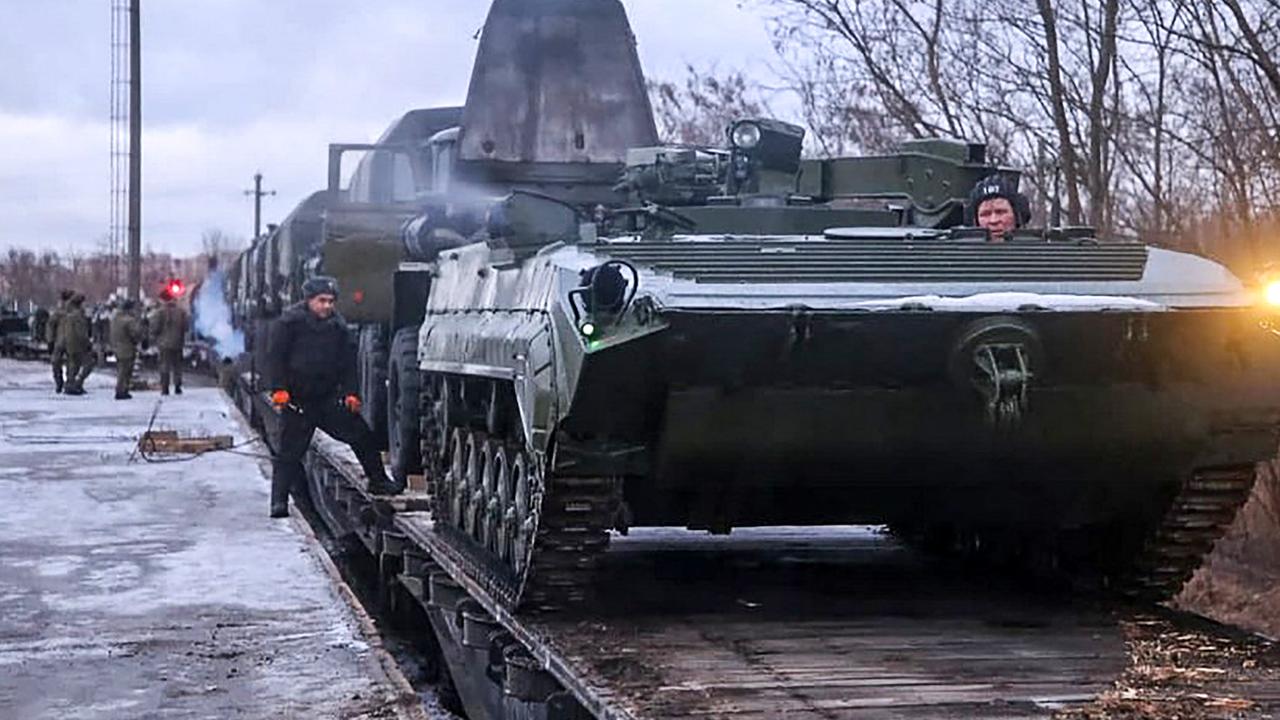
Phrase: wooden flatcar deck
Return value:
(837, 623)
(834, 624)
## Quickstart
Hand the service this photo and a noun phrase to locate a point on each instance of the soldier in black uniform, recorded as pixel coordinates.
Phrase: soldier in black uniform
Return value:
(312, 368)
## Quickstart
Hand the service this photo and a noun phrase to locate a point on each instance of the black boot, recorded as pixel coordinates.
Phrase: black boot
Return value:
(383, 486)
(280, 511)
(177, 389)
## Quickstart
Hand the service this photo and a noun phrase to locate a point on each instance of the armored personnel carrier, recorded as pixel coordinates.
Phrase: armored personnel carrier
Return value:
(689, 360)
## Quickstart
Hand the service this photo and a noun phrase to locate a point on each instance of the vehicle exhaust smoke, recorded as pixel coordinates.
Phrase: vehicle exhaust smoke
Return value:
(212, 318)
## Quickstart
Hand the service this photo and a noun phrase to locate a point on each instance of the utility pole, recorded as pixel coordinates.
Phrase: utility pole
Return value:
(135, 150)
(258, 194)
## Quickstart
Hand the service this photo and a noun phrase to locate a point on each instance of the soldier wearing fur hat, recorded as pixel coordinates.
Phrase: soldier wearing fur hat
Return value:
(312, 371)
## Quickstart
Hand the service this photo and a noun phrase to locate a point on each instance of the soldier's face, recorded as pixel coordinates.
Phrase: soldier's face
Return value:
(996, 215)
(322, 305)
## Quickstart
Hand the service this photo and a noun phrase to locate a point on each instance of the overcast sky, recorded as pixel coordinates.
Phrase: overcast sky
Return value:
(231, 87)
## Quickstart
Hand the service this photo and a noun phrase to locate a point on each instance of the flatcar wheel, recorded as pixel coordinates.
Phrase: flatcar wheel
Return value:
(455, 486)
(491, 512)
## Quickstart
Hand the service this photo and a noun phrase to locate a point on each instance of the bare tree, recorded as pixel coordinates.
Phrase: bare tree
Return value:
(699, 109)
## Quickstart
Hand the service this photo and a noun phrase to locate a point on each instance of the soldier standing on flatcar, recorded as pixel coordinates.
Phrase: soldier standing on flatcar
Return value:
(57, 352)
(311, 366)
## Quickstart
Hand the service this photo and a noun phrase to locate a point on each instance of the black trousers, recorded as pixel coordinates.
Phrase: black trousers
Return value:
(296, 428)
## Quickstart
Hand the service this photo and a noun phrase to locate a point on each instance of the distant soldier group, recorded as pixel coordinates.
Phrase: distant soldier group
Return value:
(70, 336)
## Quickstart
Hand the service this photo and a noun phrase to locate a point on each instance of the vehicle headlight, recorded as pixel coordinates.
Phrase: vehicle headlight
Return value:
(745, 136)
(1272, 293)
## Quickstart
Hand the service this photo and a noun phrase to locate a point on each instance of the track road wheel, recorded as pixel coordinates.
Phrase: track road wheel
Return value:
(523, 523)
(495, 468)
(473, 495)
(454, 493)
(402, 406)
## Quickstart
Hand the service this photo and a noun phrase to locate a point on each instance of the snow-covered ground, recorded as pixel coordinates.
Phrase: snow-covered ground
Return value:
(130, 589)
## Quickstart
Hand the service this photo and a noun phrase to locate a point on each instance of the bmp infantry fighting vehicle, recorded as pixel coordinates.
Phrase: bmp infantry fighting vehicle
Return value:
(752, 343)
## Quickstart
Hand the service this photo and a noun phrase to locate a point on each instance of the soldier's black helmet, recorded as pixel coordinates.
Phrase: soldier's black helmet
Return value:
(997, 186)
(320, 285)
(67, 295)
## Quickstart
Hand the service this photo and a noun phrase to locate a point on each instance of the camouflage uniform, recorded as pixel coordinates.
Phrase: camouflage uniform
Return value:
(73, 337)
(169, 329)
(126, 333)
(57, 353)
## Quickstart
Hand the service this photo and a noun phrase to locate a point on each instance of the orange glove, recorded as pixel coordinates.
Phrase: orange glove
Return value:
(353, 403)
(280, 398)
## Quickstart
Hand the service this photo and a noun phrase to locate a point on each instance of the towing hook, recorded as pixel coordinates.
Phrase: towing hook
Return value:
(998, 358)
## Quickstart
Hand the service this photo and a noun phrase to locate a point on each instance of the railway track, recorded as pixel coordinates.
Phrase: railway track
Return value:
(801, 624)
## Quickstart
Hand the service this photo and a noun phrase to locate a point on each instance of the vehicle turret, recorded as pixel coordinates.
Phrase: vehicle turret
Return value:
(759, 183)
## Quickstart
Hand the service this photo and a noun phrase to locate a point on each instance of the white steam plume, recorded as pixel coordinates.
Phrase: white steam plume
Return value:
(212, 318)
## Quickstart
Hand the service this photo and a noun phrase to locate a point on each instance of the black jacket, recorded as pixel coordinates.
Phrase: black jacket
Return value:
(313, 359)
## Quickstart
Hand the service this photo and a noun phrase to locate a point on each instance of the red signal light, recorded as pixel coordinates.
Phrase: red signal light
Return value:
(176, 288)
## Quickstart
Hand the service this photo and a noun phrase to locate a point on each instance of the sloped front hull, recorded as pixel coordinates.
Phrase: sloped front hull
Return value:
(796, 419)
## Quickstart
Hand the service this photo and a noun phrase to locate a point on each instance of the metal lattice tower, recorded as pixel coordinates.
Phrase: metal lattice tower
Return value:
(120, 81)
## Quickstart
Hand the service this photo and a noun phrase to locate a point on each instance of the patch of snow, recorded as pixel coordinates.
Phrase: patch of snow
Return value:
(1013, 302)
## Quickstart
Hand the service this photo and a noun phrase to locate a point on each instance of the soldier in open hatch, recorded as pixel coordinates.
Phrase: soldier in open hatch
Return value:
(996, 206)
(312, 368)
(73, 337)
(57, 353)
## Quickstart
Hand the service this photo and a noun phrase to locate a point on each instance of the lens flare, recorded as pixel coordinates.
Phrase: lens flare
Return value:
(1272, 293)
